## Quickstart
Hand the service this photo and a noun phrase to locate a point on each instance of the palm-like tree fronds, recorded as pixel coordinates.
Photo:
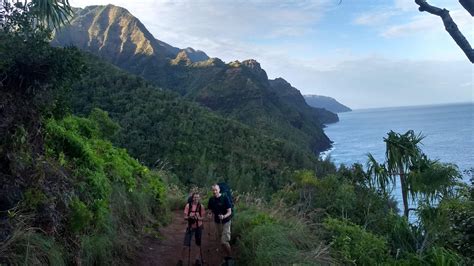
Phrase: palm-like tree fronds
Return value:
(53, 13)
(378, 176)
(420, 178)
(434, 181)
(402, 150)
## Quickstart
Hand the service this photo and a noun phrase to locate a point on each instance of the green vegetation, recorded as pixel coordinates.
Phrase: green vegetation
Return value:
(239, 90)
(420, 178)
(68, 196)
(164, 131)
(106, 198)
(274, 236)
(354, 244)
(348, 229)
(350, 212)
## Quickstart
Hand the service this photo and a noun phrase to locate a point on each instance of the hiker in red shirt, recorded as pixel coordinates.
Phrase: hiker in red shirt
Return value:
(193, 213)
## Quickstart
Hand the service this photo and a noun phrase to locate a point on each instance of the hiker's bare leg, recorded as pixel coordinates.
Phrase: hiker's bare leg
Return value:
(225, 238)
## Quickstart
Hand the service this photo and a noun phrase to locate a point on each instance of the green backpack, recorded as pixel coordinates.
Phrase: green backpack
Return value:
(227, 192)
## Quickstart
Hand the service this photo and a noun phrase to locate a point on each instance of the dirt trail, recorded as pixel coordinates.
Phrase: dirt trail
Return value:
(167, 251)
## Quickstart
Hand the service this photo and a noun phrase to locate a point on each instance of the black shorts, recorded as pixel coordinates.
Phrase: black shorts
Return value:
(189, 234)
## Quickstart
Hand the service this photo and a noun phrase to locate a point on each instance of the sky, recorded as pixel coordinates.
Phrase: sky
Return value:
(364, 53)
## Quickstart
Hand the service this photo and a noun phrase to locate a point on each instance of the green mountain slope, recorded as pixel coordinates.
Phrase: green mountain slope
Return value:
(238, 90)
(242, 91)
(160, 127)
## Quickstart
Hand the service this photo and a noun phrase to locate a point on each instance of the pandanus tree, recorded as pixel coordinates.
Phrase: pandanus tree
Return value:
(53, 13)
(50, 14)
(419, 177)
(402, 151)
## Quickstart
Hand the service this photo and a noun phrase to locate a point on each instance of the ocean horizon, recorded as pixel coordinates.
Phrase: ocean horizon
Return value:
(448, 130)
(409, 106)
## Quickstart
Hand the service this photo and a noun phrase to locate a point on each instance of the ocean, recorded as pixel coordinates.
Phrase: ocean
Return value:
(448, 131)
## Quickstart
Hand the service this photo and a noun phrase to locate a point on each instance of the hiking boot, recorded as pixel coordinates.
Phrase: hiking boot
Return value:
(180, 263)
(228, 261)
(198, 263)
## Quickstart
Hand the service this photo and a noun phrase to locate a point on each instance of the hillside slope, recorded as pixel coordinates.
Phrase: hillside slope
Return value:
(238, 90)
(162, 129)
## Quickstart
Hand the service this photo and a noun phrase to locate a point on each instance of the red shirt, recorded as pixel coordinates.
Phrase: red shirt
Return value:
(193, 212)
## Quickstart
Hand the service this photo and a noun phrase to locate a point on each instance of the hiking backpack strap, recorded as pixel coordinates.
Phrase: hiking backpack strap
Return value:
(222, 199)
(198, 209)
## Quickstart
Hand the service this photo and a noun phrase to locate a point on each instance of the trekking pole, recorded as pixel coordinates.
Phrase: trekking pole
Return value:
(200, 251)
(190, 243)
(202, 238)
(189, 254)
(209, 237)
(209, 228)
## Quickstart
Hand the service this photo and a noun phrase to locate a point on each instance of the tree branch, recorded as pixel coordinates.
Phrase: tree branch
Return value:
(449, 25)
(468, 5)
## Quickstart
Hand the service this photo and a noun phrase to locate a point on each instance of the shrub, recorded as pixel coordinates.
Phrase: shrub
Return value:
(353, 244)
(81, 216)
(442, 257)
(96, 249)
(113, 195)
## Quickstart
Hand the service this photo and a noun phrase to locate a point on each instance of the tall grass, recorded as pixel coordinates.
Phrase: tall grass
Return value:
(175, 197)
(28, 246)
(273, 235)
(99, 217)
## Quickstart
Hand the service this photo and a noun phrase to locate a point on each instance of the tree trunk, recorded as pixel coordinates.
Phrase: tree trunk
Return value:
(404, 187)
(468, 5)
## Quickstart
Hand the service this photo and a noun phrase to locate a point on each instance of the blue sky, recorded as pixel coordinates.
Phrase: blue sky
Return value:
(365, 53)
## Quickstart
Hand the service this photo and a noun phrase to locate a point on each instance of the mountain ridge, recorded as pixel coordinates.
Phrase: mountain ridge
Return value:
(160, 126)
(326, 102)
(111, 25)
(237, 90)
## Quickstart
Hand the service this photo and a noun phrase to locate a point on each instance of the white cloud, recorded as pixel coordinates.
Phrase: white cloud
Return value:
(417, 24)
(224, 18)
(425, 22)
(381, 14)
(402, 18)
(225, 29)
(375, 18)
(379, 82)
(264, 30)
(405, 5)
(467, 84)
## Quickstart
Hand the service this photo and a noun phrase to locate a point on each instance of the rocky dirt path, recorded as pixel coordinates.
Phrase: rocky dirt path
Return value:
(167, 250)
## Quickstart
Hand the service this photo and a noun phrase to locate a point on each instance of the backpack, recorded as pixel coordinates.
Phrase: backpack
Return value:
(227, 192)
